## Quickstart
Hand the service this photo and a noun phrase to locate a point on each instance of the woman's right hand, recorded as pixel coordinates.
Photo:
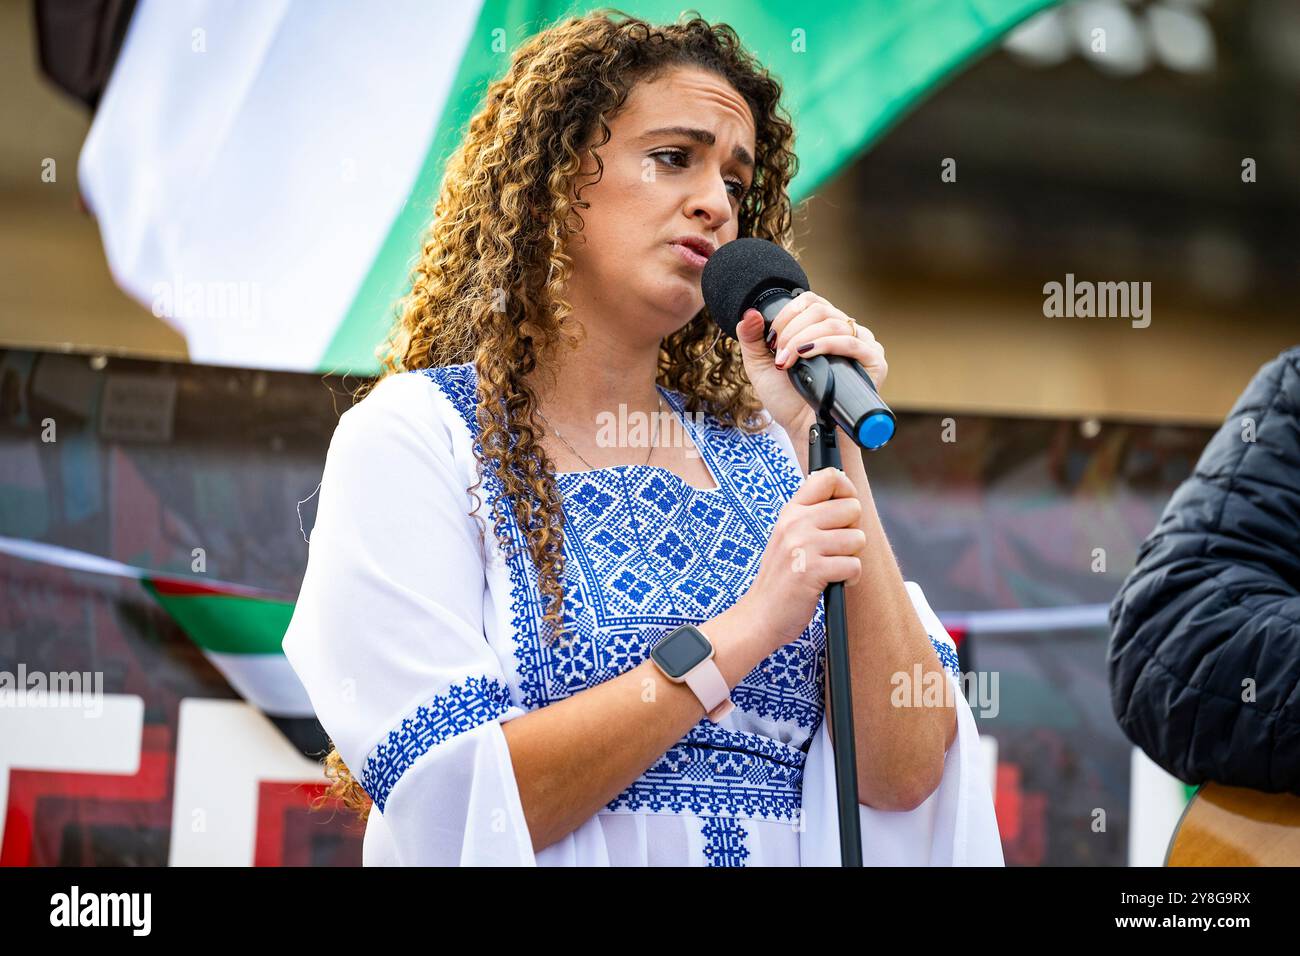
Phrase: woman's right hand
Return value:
(816, 540)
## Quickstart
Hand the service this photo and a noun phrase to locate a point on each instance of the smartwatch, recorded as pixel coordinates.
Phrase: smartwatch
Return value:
(685, 656)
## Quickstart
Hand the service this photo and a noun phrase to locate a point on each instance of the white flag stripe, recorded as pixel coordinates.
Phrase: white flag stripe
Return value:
(74, 560)
(301, 128)
(266, 681)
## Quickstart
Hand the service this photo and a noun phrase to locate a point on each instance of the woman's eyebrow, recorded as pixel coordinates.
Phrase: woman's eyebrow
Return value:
(701, 136)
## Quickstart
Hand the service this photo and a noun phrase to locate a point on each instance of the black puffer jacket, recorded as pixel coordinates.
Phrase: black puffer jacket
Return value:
(1214, 601)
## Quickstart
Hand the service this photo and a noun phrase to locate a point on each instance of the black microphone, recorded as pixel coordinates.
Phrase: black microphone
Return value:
(756, 274)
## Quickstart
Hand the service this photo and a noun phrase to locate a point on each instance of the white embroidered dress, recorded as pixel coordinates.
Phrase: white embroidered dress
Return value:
(416, 640)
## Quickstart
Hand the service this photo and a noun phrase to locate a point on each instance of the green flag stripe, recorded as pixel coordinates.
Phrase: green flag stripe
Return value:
(228, 624)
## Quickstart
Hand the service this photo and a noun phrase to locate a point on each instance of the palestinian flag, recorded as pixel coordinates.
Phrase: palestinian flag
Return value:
(239, 631)
(261, 172)
(238, 628)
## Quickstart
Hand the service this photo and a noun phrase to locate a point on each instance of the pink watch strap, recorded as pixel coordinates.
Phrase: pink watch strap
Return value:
(706, 680)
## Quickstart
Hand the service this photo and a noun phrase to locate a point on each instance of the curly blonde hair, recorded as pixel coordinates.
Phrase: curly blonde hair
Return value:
(489, 282)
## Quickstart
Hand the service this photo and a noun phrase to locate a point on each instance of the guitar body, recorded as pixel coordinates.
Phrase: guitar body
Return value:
(1234, 826)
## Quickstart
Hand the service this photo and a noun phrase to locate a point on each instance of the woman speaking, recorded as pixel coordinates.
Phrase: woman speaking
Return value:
(625, 664)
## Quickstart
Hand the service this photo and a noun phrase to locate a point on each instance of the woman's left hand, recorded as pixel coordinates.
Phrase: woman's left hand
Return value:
(811, 323)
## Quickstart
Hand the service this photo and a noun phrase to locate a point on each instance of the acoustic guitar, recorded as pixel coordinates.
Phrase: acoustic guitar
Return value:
(1234, 826)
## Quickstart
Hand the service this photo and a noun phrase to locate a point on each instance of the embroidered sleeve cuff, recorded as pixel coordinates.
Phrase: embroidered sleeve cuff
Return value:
(463, 707)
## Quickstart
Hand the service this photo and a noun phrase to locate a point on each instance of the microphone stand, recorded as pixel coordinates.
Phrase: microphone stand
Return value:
(814, 380)
(823, 452)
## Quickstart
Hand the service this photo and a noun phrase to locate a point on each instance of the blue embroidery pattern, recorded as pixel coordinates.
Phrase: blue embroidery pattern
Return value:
(726, 841)
(646, 552)
(464, 707)
(947, 656)
(713, 770)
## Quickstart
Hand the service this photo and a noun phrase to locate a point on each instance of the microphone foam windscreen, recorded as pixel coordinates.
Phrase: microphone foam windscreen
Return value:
(742, 269)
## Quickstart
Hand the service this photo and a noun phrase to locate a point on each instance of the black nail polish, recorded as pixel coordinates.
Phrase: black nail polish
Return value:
(805, 347)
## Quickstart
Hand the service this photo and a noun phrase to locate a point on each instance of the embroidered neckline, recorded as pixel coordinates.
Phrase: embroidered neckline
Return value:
(677, 404)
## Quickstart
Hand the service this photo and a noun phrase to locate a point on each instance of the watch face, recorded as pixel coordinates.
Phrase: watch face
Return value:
(681, 650)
